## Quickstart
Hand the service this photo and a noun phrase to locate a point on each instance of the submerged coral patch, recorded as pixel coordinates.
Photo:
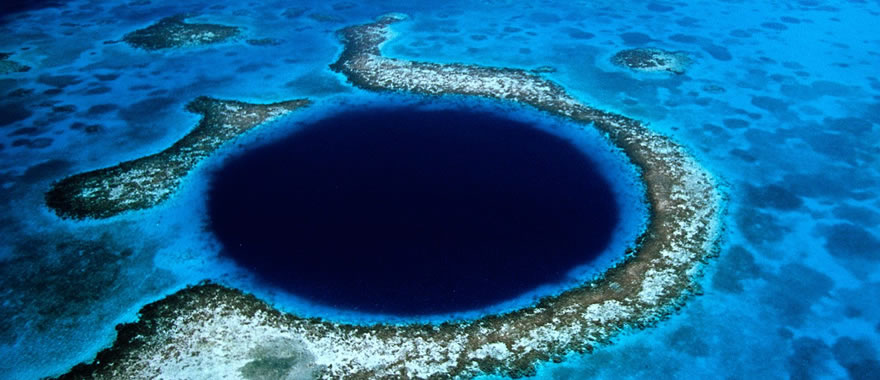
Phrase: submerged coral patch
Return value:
(173, 32)
(652, 60)
(209, 329)
(8, 66)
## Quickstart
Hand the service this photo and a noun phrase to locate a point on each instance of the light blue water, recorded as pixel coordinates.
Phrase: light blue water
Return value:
(794, 134)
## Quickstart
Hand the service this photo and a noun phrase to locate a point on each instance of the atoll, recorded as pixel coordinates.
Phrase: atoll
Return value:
(147, 181)
(652, 60)
(8, 66)
(173, 32)
(208, 329)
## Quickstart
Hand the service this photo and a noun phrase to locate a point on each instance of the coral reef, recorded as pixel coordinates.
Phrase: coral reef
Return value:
(147, 181)
(173, 32)
(8, 66)
(652, 60)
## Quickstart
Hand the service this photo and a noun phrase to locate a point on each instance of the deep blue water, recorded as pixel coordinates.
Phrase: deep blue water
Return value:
(781, 103)
(406, 211)
(10, 8)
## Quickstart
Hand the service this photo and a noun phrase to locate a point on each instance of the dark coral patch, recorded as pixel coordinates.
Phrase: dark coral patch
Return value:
(718, 52)
(98, 90)
(13, 112)
(264, 42)
(735, 123)
(760, 227)
(772, 196)
(26, 131)
(635, 38)
(87, 128)
(107, 77)
(739, 33)
(7, 66)
(770, 104)
(737, 264)
(846, 240)
(20, 92)
(862, 216)
(858, 357)
(326, 18)
(173, 32)
(145, 110)
(688, 22)
(808, 359)
(795, 290)
(99, 109)
(651, 60)
(578, 34)
(59, 81)
(657, 7)
(774, 26)
(294, 12)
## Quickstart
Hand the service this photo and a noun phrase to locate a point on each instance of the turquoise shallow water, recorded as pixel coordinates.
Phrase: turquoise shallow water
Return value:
(781, 102)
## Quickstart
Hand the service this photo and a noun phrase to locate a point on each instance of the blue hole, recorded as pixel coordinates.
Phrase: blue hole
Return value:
(412, 212)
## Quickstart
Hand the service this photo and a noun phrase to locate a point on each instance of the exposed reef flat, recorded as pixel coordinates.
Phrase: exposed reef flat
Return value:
(147, 181)
(8, 66)
(207, 330)
(652, 60)
(173, 32)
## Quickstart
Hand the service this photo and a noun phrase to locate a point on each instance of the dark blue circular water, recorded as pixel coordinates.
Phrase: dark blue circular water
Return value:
(412, 212)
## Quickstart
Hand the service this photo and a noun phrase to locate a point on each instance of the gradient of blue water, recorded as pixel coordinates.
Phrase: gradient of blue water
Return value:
(793, 135)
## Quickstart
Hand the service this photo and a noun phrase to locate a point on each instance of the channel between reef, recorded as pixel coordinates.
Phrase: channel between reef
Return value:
(210, 329)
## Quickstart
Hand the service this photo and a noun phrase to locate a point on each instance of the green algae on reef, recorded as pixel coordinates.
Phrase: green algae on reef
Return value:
(652, 60)
(173, 32)
(147, 181)
(208, 330)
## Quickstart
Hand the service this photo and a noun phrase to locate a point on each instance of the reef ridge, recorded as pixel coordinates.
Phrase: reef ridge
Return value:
(145, 182)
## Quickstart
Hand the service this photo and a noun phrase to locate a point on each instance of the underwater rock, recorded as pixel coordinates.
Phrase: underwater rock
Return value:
(188, 330)
(652, 60)
(7, 66)
(173, 32)
(147, 181)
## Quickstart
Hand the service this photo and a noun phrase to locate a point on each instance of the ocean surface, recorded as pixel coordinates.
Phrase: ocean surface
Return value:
(781, 102)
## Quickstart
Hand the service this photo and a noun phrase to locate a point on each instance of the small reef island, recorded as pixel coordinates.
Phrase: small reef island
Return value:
(652, 60)
(208, 329)
(173, 32)
(147, 181)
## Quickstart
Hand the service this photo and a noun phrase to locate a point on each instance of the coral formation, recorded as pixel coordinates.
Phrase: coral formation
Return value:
(8, 66)
(652, 60)
(147, 181)
(173, 32)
